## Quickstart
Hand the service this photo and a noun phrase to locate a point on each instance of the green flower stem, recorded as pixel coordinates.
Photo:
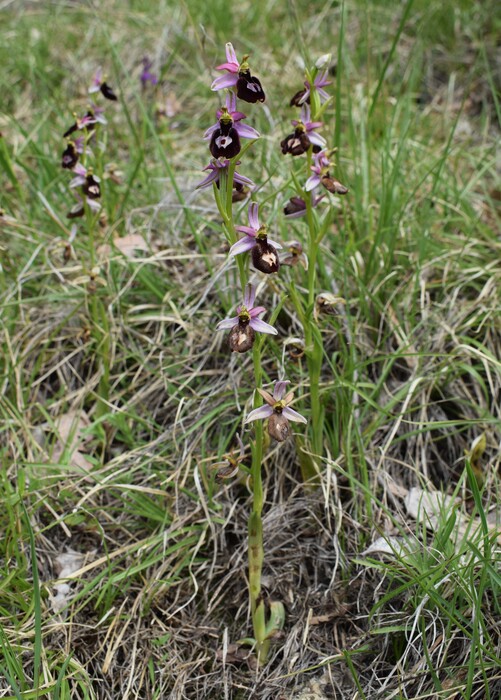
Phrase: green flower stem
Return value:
(256, 550)
(223, 197)
(312, 335)
(224, 202)
(99, 324)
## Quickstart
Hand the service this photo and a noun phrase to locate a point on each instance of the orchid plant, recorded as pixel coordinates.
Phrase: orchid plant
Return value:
(255, 245)
(86, 187)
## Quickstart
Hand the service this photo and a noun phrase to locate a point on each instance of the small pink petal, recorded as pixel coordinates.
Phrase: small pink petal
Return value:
(242, 246)
(77, 181)
(246, 229)
(237, 116)
(210, 131)
(231, 55)
(259, 413)
(314, 125)
(262, 327)
(249, 296)
(253, 215)
(243, 180)
(293, 415)
(312, 182)
(230, 66)
(255, 311)
(246, 131)
(212, 177)
(274, 244)
(224, 81)
(227, 324)
(317, 140)
(279, 390)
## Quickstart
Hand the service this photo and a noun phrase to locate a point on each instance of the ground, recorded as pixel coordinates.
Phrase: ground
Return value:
(124, 557)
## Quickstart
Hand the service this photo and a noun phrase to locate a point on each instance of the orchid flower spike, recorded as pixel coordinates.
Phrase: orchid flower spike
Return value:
(244, 326)
(264, 250)
(248, 87)
(278, 412)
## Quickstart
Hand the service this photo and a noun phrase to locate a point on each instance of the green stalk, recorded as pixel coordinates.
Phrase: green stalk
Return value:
(312, 336)
(256, 550)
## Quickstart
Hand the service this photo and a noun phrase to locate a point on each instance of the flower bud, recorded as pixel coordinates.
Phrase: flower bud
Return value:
(323, 61)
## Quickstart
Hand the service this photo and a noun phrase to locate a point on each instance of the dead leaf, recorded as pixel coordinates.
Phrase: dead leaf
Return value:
(71, 437)
(430, 508)
(65, 565)
(394, 546)
(128, 245)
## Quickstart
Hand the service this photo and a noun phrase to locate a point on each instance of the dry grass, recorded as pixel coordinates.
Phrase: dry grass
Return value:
(411, 377)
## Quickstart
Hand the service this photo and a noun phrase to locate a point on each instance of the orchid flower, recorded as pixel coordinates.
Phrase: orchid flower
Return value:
(295, 255)
(100, 85)
(229, 468)
(246, 323)
(319, 83)
(296, 206)
(243, 130)
(72, 152)
(216, 167)
(304, 135)
(321, 175)
(248, 87)
(87, 181)
(146, 75)
(264, 250)
(278, 412)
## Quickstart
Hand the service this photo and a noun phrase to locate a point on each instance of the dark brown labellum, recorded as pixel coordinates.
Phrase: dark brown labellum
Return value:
(333, 186)
(241, 337)
(68, 132)
(265, 257)
(92, 125)
(278, 427)
(70, 156)
(249, 88)
(108, 92)
(294, 205)
(91, 187)
(296, 100)
(239, 192)
(225, 141)
(76, 212)
(296, 144)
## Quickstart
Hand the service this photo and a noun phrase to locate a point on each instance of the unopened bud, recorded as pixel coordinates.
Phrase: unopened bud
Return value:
(323, 61)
